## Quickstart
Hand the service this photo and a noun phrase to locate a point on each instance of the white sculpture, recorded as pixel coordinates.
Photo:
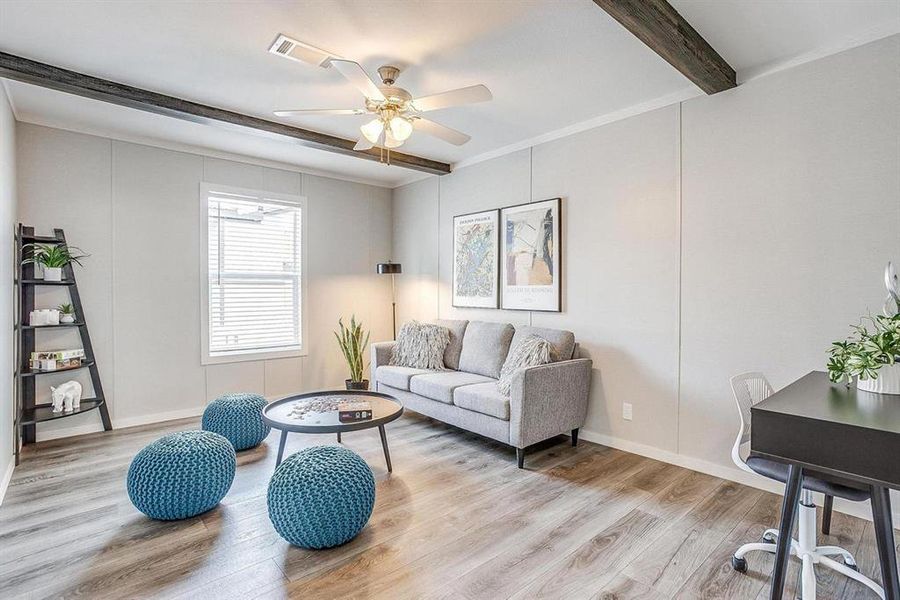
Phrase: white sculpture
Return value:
(66, 396)
(892, 284)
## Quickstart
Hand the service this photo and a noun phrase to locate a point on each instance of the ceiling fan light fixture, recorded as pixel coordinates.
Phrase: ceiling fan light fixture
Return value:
(390, 141)
(400, 128)
(372, 130)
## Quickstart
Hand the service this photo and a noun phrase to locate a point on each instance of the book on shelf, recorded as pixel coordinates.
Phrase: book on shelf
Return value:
(55, 360)
(352, 412)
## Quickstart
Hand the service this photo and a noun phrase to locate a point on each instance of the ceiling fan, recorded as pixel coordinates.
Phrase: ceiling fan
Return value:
(396, 112)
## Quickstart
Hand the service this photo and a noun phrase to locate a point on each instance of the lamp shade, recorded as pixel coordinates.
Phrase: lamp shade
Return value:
(388, 268)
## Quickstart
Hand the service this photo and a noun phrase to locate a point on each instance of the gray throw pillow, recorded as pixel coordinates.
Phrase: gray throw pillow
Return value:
(420, 346)
(530, 351)
(457, 329)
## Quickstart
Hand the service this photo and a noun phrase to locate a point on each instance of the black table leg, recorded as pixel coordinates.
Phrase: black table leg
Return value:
(387, 454)
(339, 437)
(786, 529)
(884, 535)
(281, 446)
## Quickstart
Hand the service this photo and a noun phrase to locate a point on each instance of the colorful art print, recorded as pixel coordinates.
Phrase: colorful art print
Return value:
(476, 246)
(530, 265)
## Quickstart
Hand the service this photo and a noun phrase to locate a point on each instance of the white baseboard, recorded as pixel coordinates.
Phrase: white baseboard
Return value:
(855, 509)
(54, 434)
(4, 482)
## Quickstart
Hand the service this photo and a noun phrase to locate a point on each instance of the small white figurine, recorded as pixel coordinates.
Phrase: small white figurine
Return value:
(66, 396)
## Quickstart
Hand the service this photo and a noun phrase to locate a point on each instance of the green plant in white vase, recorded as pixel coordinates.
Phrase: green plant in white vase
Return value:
(870, 354)
(52, 258)
(66, 313)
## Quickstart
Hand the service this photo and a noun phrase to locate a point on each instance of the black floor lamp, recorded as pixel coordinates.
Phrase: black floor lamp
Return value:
(391, 268)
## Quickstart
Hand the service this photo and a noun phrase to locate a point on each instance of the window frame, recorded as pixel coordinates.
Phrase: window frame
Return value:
(206, 190)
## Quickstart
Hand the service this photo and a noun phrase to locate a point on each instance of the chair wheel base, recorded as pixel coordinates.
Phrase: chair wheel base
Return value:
(739, 564)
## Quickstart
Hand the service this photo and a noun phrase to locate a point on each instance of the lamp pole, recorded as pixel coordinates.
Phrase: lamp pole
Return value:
(391, 268)
(393, 306)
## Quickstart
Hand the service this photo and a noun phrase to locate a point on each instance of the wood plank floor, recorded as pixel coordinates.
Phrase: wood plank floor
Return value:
(456, 519)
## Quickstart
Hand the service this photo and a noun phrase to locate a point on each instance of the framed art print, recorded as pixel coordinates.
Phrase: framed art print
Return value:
(530, 256)
(476, 243)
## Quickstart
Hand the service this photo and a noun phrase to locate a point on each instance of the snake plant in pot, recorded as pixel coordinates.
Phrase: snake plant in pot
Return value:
(353, 341)
(52, 258)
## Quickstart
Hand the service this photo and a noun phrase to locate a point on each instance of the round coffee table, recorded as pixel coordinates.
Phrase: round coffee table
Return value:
(384, 410)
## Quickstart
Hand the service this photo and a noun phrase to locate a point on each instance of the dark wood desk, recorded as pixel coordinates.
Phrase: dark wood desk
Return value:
(849, 435)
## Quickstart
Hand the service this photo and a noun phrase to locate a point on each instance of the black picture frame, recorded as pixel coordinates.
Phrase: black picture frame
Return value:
(538, 298)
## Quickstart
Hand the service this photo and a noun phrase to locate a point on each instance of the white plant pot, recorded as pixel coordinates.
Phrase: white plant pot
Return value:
(52, 273)
(888, 381)
(66, 318)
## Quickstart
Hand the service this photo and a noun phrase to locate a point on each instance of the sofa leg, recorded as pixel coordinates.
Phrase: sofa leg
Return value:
(520, 457)
(574, 437)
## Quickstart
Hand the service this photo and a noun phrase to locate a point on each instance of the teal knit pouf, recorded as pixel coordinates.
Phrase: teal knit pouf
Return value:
(321, 497)
(181, 475)
(238, 417)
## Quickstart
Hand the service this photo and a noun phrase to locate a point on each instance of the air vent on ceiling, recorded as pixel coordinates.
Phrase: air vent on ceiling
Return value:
(300, 52)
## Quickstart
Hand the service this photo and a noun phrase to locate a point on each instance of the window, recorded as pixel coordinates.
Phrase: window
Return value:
(253, 269)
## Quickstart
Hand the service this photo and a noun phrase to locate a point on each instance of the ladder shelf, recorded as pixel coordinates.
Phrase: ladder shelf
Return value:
(28, 413)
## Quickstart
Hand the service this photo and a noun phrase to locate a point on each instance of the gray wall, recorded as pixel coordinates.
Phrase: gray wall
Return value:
(734, 232)
(7, 290)
(135, 209)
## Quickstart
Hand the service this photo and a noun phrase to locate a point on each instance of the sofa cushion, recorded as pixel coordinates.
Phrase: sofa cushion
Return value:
(420, 346)
(531, 351)
(484, 348)
(457, 329)
(563, 341)
(484, 398)
(397, 377)
(440, 386)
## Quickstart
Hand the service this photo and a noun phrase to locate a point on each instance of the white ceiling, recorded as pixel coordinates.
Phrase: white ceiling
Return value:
(551, 64)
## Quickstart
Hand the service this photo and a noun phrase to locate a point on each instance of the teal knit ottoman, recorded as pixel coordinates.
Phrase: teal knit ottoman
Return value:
(238, 417)
(321, 497)
(181, 475)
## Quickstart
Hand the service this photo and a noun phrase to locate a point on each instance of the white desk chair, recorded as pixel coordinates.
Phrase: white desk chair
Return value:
(749, 389)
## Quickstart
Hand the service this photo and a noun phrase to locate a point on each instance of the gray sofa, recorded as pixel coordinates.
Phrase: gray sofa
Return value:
(545, 401)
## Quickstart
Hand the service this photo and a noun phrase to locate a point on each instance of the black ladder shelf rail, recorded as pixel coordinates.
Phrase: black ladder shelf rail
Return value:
(28, 413)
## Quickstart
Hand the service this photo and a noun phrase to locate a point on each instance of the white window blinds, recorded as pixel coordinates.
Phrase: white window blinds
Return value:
(254, 276)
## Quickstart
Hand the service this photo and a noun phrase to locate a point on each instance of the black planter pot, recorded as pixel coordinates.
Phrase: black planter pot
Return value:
(357, 385)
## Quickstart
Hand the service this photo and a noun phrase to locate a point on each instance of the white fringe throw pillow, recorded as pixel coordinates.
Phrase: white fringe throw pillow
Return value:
(420, 346)
(530, 352)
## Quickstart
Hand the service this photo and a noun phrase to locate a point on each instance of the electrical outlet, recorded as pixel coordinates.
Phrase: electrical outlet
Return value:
(626, 411)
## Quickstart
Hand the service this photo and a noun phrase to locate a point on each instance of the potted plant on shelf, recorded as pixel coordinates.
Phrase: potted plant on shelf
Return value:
(870, 354)
(66, 313)
(52, 258)
(353, 341)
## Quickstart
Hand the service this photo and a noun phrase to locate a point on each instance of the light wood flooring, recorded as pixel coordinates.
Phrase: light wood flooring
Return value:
(456, 519)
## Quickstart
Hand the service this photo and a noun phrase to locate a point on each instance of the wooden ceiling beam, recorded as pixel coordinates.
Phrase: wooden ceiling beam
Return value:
(659, 26)
(72, 82)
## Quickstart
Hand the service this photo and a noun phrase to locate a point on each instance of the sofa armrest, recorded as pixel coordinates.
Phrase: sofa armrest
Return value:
(381, 355)
(548, 400)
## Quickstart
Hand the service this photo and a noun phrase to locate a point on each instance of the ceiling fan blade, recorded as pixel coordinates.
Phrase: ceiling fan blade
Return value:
(319, 111)
(466, 95)
(443, 132)
(363, 144)
(357, 76)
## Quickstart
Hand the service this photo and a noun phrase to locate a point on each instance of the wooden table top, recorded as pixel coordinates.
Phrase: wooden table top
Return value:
(384, 410)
